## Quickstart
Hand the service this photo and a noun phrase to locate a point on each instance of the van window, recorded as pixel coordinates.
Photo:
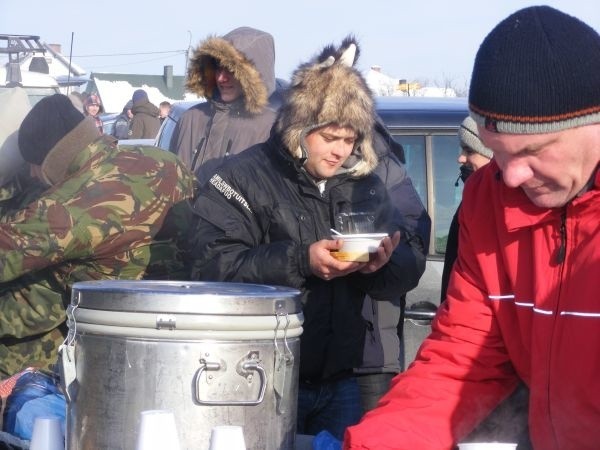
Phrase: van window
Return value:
(165, 134)
(444, 151)
(447, 196)
(35, 94)
(414, 153)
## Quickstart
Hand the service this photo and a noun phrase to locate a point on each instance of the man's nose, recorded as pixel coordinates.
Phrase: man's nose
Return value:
(223, 75)
(516, 172)
(340, 148)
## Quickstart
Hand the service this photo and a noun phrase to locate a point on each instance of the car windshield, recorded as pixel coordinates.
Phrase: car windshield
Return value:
(35, 94)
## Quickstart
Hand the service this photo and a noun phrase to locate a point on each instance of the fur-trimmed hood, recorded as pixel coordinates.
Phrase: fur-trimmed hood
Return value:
(326, 90)
(247, 53)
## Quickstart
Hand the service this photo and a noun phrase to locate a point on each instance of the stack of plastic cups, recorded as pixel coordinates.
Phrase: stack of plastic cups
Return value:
(157, 431)
(47, 434)
(227, 437)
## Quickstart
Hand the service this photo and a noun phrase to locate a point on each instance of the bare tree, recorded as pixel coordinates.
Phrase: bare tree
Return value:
(451, 85)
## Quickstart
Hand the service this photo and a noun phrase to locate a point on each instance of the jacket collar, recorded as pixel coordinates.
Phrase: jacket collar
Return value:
(55, 167)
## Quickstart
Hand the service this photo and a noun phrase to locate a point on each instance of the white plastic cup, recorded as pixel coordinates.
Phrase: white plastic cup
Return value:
(227, 437)
(487, 446)
(157, 431)
(47, 434)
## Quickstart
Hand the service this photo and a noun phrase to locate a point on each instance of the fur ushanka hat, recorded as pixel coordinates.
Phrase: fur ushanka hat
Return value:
(329, 90)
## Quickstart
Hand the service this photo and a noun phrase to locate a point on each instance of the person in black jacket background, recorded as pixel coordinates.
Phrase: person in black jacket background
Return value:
(473, 156)
(121, 126)
(265, 217)
(383, 355)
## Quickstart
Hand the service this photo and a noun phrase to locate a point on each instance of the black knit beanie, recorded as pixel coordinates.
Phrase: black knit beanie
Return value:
(46, 124)
(538, 71)
(139, 96)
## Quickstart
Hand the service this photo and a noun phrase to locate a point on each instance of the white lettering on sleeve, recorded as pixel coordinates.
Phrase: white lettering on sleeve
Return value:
(228, 191)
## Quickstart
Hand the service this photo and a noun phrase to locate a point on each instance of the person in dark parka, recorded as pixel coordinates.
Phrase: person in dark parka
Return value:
(235, 73)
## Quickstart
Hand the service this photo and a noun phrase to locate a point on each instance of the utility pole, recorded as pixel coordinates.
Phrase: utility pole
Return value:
(187, 53)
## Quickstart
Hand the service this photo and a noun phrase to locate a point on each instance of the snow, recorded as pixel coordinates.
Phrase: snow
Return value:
(380, 83)
(385, 85)
(115, 94)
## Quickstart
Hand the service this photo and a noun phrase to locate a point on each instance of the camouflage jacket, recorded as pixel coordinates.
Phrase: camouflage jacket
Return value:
(117, 212)
(18, 193)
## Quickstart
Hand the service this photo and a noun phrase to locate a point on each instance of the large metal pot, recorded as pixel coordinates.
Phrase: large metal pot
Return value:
(213, 353)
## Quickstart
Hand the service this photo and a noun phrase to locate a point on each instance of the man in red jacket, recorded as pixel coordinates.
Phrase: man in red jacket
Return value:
(522, 302)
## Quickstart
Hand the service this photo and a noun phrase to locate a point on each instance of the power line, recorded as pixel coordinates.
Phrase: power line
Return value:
(132, 63)
(130, 54)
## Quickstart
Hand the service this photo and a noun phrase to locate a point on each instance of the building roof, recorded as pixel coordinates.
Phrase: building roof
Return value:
(75, 69)
(115, 89)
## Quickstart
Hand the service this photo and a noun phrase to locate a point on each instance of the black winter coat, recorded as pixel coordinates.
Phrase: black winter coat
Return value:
(121, 127)
(255, 220)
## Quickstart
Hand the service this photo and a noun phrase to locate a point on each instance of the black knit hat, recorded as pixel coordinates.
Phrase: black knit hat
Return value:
(46, 124)
(139, 96)
(538, 71)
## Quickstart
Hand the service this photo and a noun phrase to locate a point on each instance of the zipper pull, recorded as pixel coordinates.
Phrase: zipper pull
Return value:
(196, 153)
(562, 250)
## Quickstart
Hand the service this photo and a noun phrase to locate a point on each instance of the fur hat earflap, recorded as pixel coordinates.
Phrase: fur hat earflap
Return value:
(329, 90)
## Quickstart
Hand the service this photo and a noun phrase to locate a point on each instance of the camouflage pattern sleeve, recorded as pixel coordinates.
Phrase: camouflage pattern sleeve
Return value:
(32, 316)
(103, 215)
(37, 351)
(17, 193)
(31, 304)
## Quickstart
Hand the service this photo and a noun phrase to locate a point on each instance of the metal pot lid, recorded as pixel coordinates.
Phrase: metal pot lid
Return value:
(193, 297)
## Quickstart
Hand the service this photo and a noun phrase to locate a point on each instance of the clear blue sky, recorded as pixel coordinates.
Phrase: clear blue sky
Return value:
(432, 40)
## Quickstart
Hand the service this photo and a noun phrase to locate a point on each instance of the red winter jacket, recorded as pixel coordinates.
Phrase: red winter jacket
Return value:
(523, 302)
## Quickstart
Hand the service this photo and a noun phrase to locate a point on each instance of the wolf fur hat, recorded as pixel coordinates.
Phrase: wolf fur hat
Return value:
(329, 90)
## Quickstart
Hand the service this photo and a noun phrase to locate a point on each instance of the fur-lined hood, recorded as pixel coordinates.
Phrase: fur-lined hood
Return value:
(327, 90)
(247, 53)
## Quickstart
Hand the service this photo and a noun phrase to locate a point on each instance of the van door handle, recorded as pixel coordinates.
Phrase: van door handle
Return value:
(420, 313)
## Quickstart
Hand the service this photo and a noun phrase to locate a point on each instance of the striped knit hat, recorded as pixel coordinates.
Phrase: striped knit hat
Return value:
(469, 137)
(538, 71)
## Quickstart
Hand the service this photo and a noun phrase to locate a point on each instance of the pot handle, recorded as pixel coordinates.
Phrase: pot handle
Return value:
(68, 373)
(251, 365)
